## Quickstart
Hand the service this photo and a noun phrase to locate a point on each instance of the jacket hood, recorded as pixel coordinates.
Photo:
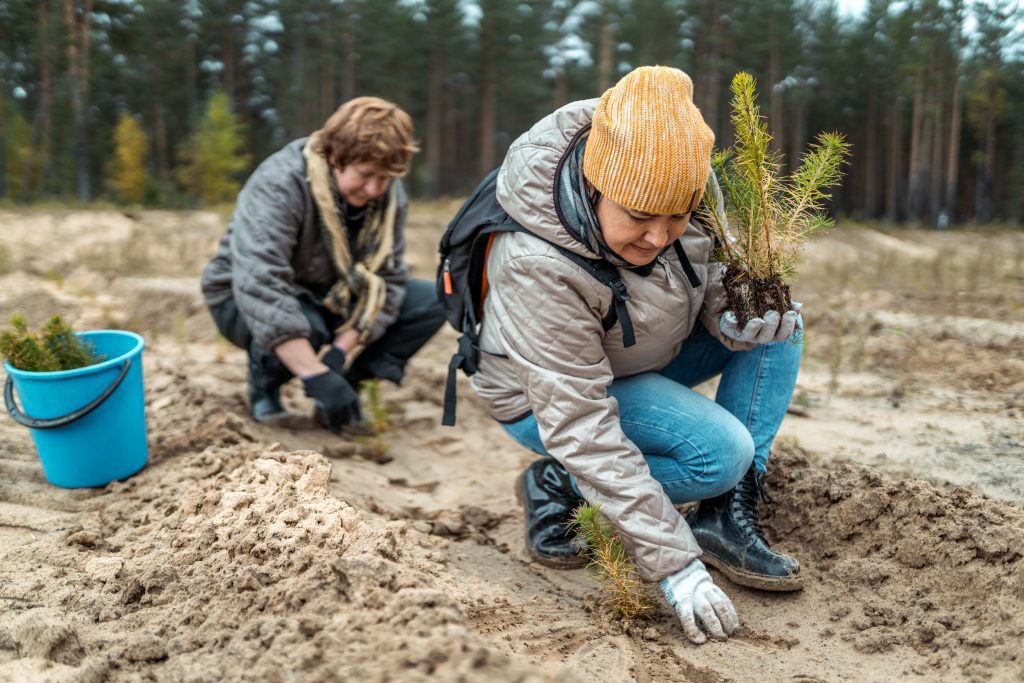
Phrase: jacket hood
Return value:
(526, 181)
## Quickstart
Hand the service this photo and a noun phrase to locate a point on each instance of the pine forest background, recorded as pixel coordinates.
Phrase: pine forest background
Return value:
(173, 103)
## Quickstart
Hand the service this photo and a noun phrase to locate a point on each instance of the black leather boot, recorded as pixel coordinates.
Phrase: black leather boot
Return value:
(548, 497)
(728, 531)
(266, 375)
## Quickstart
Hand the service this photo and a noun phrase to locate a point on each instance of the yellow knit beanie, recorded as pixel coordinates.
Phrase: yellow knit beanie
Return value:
(649, 148)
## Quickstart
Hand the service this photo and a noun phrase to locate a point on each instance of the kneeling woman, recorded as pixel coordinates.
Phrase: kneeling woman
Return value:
(618, 179)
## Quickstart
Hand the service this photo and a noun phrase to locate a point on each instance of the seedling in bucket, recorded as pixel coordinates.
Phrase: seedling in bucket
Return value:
(81, 396)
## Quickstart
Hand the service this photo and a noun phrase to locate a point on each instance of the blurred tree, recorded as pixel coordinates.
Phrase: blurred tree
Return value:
(128, 167)
(78, 27)
(213, 156)
(925, 101)
(989, 103)
(41, 50)
(17, 148)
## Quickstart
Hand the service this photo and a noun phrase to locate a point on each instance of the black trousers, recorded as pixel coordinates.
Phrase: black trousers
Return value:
(419, 318)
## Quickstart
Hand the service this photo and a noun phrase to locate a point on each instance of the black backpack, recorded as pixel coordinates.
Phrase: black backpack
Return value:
(461, 278)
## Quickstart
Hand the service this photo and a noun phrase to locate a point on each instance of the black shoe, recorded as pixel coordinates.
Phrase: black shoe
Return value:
(728, 531)
(266, 375)
(266, 405)
(548, 497)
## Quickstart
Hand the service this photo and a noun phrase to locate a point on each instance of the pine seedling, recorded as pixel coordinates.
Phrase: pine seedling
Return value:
(623, 593)
(70, 350)
(772, 217)
(57, 348)
(380, 419)
(24, 350)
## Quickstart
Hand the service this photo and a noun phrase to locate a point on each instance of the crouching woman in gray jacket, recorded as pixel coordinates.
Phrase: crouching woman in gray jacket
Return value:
(618, 179)
(314, 257)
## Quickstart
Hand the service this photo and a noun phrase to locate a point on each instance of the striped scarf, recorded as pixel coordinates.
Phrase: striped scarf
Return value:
(359, 294)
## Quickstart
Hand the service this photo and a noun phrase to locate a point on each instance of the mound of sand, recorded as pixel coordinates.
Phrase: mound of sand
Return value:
(910, 566)
(238, 563)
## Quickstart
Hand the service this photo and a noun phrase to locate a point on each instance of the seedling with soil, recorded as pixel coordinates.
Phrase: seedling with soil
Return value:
(771, 216)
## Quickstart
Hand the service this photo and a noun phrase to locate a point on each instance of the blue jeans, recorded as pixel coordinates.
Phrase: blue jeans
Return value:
(695, 447)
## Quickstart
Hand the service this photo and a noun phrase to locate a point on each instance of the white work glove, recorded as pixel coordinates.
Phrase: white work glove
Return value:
(771, 328)
(699, 602)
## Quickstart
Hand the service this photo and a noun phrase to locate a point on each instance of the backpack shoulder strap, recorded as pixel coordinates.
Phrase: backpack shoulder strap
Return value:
(691, 274)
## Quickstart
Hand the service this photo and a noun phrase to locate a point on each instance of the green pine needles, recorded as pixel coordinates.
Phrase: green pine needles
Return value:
(55, 348)
(771, 216)
(623, 593)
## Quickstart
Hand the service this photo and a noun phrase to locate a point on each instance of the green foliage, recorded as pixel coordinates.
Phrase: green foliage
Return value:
(55, 347)
(771, 216)
(623, 593)
(213, 156)
(128, 175)
(17, 149)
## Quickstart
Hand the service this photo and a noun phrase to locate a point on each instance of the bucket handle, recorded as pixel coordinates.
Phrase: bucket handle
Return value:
(64, 420)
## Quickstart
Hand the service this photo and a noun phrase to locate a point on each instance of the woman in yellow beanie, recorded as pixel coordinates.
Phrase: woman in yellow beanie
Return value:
(616, 180)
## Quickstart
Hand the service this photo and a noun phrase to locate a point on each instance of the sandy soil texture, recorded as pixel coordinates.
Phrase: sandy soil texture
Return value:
(243, 552)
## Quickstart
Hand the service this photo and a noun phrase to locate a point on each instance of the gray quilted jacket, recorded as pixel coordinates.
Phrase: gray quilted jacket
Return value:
(544, 315)
(275, 250)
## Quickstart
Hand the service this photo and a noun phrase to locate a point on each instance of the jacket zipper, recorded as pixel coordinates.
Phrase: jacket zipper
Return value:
(670, 270)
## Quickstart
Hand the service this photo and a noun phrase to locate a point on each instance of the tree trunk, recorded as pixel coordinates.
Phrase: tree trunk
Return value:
(1016, 214)
(327, 96)
(776, 122)
(985, 211)
(953, 152)
(449, 140)
(298, 91)
(79, 32)
(712, 76)
(605, 55)
(3, 136)
(561, 88)
(39, 164)
(435, 120)
(916, 125)
(893, 171)
(227, 43)
(488, 101)
(871, 170)
(191, 83)
(163, 171)
(936, 176)
(348, 64)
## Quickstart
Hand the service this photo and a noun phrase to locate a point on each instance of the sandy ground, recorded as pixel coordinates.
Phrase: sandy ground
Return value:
(243, 553)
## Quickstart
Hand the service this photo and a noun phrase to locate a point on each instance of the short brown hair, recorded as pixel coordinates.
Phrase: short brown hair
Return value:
(369, 130)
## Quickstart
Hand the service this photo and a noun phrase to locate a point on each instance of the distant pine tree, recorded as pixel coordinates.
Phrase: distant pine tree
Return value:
(128, 167)
(213, 156)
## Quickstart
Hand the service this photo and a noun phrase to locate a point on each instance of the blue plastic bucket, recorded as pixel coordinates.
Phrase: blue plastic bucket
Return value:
(88, 424)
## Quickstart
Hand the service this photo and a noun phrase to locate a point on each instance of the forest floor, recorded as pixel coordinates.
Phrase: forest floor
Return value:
(241, 552)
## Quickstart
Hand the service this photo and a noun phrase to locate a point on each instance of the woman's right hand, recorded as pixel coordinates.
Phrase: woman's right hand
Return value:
(698, 602)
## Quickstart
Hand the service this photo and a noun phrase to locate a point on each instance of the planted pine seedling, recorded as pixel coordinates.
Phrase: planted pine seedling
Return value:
(623, 593)
(763, 219)
(379, 421)
(55, 347)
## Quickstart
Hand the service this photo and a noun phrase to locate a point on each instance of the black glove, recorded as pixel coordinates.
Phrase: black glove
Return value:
(335, 360)
(337, 403)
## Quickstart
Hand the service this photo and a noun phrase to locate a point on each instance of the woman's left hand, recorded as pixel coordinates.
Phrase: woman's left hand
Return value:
(700, 604)
(771, 328)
